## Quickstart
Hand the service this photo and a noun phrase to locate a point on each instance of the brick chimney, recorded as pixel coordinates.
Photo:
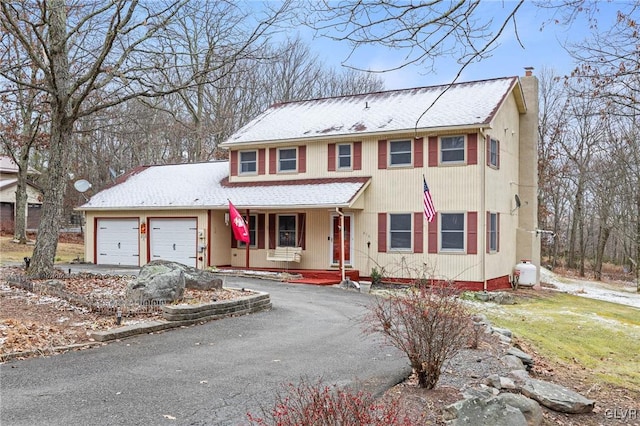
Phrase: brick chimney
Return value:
(528, 71)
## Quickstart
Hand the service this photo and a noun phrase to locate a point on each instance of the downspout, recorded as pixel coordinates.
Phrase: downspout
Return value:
(341, 243)
(483, 212)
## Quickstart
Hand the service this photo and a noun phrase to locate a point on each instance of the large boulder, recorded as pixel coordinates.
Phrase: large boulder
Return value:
(479, 411)
(556, 397)
(528, 407)
(193, 278)
(157, 283)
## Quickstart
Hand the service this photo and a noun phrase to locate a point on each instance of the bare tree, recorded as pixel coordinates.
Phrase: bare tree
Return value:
(91, 56)
(424, 30)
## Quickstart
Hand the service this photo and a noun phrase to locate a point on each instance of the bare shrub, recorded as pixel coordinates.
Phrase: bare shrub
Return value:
(429, 324)
(315, 404)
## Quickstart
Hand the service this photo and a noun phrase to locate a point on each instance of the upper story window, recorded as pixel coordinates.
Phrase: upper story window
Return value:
(494, 153)
(451, 149)
(248, 162)
(400, 153)
(253, 226)
(344, 156)
(452, 231)
(400, 231)
(287, 159)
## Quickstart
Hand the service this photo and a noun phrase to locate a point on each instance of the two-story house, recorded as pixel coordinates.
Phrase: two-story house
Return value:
(340, 183)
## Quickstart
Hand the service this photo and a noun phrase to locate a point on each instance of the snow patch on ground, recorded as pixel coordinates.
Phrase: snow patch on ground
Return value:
(621, 294)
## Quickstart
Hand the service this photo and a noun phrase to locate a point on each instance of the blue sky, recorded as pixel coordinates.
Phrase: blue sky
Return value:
(541, 37)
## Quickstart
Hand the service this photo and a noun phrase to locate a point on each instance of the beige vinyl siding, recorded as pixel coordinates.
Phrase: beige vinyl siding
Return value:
(315, 255)
(501, 187)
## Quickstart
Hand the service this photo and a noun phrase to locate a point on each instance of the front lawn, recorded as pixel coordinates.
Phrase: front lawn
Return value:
(601, 337)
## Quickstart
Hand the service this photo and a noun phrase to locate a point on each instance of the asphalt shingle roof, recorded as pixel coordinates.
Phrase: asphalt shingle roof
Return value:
(462, 104)
(204, 185)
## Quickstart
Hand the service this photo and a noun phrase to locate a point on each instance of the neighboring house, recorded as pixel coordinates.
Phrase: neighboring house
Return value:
(300, 168)
(8, 186)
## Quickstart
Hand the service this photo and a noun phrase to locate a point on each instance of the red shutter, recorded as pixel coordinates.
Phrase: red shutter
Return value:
(472, 232)
(382, 232)
(488, 143)
(418, 238)
(382, 154)
(260, 231)
(302, 159)
(234, 163)
(433, 235)
(357, 156)
(433, 151)
(302, 224)
(418, 152)
(331, 158)
(498, 232)
(273, 154)
(272, 231)
(261, 157)
(472, 148)
(488, 236)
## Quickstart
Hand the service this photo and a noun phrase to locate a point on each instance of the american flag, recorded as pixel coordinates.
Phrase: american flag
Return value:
(429, 209)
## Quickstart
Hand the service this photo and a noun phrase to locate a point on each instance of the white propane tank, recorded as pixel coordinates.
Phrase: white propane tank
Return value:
(527, 272)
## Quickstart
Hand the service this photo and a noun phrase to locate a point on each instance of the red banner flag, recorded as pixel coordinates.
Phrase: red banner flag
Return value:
(239, 226)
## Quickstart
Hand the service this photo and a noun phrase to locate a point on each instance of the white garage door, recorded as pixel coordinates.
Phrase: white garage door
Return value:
(174, 239)
(117, 242)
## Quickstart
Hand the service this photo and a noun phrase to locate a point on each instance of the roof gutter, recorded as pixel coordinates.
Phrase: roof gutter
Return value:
(357, 136)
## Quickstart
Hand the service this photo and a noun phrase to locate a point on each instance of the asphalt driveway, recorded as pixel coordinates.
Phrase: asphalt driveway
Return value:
(210, 374)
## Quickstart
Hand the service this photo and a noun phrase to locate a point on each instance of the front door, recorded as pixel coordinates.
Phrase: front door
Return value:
(336, 239)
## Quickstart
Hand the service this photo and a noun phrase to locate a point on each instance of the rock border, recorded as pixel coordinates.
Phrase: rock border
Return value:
(186, 314)
(513, 400)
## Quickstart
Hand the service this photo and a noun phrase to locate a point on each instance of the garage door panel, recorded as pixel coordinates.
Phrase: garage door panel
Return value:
(117, 242)
(174, 240)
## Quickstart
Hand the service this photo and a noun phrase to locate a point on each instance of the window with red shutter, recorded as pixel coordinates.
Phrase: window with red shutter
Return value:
(331, 158)
(382, 232)
(357, 156)
(382, 154)
(472, 232)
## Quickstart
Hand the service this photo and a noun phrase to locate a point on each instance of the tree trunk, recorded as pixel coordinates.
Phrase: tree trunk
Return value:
(52, 208)
(20, 223)
(59, 145)
(603, 237)
(637, 265)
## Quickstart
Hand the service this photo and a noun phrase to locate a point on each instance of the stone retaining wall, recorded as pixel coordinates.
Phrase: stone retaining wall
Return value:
(184, 315)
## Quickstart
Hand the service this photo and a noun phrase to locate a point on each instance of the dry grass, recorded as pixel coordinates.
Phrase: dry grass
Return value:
(68, 250)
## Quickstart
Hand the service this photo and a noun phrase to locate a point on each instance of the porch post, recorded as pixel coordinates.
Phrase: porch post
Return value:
(249, 243)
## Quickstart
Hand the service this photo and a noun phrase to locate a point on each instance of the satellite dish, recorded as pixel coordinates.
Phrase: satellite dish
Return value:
(82, 185)
(518, 203)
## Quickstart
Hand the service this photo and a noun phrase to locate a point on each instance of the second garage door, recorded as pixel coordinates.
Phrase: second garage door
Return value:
(174, 239)
(117, 242)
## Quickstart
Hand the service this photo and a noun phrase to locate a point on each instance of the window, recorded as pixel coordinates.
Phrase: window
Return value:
(253, 225)
(287, 160)
(248, 162)
(400, 231)
(452, 231)
(400, 153)
(344, 157)
(493, 231)
(287, 231)
(494, 147)
(452, 149)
